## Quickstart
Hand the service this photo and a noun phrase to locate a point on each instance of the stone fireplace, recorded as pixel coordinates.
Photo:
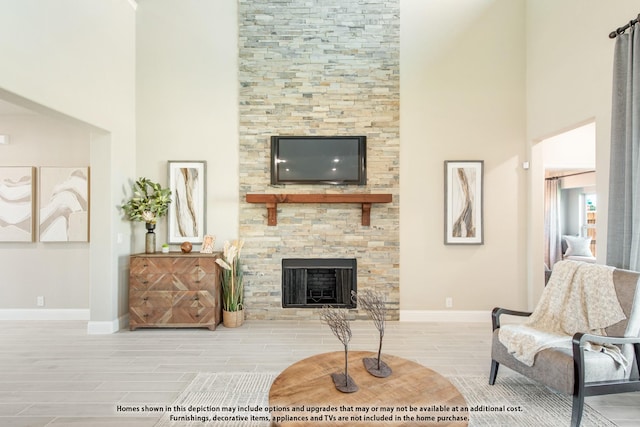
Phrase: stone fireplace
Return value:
(316, 282)
(325, 69)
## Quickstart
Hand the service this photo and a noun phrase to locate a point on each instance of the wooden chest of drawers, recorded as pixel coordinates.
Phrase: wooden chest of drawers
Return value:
(174, 290)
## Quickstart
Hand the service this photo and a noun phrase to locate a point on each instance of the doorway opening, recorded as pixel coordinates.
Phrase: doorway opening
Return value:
(570, 199)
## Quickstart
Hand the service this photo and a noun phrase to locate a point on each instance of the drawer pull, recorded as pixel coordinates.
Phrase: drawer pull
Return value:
(145, 299)
(197, 298)
(145, 315)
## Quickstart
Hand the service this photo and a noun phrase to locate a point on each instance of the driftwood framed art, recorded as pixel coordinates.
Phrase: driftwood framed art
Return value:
(186, 217)
(463, 213)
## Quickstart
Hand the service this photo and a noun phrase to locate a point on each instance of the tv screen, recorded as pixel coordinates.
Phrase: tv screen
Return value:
(319, 160)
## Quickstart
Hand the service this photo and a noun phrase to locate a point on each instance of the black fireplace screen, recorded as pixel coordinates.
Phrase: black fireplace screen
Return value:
(315, 282)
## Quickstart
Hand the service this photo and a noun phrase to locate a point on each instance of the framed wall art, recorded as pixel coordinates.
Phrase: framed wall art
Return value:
(463, 202)
(186, 217)
(17, 203)
(64, 204)
(207, 244)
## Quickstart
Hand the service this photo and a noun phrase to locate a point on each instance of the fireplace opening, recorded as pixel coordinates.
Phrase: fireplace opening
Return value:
(315, 282)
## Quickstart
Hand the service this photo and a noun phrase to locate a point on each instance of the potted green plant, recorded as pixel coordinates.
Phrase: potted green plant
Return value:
(232, 284)
(149, 203)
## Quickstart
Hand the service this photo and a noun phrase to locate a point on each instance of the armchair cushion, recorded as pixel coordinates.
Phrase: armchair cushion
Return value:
(554, 366)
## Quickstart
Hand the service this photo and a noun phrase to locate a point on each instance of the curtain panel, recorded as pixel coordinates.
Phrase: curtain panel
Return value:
(552, 238)
(623, 232)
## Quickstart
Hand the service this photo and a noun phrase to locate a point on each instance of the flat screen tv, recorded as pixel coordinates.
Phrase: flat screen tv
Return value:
(337, 160)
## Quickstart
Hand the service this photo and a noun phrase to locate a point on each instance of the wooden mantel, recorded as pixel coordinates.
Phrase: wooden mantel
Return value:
(272, 200)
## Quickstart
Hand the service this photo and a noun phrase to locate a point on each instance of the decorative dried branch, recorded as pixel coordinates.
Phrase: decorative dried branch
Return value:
(338, 322)
(373, 302)
(341, 328)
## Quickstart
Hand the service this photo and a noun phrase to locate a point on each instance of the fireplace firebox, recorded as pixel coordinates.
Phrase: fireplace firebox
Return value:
(316, 282)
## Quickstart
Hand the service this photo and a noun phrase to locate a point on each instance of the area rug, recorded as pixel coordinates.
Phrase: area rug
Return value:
(241, 399)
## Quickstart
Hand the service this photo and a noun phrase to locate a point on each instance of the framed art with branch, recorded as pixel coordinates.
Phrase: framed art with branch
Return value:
(186, 217)
(463, 215)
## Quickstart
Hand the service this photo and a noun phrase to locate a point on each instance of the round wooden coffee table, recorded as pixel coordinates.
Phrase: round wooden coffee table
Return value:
(304, 394)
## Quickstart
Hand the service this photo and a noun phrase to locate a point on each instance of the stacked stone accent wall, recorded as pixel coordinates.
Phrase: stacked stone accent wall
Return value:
(318, 67)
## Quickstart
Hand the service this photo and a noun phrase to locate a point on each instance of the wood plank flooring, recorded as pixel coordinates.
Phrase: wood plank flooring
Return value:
(54, 374)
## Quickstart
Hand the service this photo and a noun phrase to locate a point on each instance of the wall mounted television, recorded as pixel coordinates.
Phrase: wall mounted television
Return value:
(336, 160)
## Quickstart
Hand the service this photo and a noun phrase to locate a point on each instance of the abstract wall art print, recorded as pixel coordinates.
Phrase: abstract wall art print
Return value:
(64, 204)
(463, 202)
(187, 182)
(16, 203)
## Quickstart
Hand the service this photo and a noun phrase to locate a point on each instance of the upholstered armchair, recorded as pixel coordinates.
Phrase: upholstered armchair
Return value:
(573, 370)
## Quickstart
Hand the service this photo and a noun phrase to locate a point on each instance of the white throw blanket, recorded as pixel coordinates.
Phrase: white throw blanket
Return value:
(579, 297)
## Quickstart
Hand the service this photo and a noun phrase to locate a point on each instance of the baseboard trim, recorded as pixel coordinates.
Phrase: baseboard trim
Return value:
(107, 326)
(44, 314)
(480, 316)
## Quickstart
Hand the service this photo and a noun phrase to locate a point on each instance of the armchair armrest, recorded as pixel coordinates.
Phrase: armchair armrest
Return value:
(498, 311)
(579, 339)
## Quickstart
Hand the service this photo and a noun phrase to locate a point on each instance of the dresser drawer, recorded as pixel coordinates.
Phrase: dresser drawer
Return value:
(146, 315)
(207, 265)
(152, 282)
(193, 299)
(195, 281)
(151, 298)
(193, 315)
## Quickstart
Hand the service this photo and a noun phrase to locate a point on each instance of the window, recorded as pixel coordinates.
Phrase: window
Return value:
(588, 218)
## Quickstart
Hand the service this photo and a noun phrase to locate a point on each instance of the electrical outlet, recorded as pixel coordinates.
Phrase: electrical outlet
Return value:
(448, 302)
(40, 301)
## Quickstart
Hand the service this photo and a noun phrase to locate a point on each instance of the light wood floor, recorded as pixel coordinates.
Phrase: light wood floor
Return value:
(54, 374)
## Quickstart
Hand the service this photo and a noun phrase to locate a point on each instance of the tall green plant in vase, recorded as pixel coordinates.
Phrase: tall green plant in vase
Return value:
(149, 203)
(232, 284)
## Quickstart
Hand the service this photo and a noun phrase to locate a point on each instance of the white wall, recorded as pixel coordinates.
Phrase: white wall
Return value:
(62, 273)
(462, 98)
(75, 60)
(571, 150)
(187, 102)
(569, 69)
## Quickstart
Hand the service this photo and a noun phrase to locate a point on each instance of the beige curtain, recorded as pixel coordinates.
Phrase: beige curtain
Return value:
(552, 232)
